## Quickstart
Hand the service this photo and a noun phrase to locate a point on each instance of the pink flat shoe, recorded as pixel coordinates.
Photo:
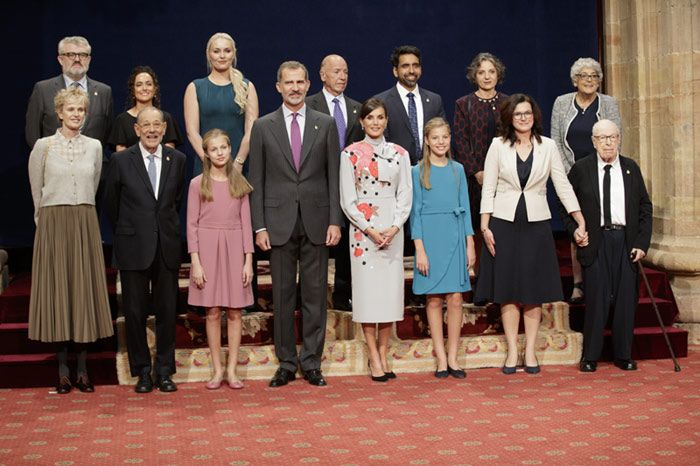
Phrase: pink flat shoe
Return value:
(213, 384)
(236, 385)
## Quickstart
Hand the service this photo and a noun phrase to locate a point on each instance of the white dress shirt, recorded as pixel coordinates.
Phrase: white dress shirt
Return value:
(617, 192)
(158, 159)
(301, 119)
(403, 93)
(331, 105)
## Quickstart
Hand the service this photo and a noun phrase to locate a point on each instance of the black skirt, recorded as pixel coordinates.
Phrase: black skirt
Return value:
(525, 269)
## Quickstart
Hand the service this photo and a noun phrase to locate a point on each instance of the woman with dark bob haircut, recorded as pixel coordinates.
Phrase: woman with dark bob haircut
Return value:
(519, 267)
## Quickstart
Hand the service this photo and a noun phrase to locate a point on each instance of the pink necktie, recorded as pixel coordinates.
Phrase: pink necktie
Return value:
(296, 141)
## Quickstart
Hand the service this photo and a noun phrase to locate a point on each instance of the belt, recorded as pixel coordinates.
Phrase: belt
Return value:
(613, 227)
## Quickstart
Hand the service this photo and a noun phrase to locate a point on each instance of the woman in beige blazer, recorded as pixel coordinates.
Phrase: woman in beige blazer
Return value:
(521, 268)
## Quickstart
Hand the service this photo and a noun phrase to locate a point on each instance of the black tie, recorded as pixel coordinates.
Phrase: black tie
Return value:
(607, 218)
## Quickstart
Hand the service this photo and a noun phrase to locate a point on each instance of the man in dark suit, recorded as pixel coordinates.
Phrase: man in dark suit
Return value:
(296, 216)
(41, 120)
(618, 214)
(142, 196)
(409, 107)
(332, 101)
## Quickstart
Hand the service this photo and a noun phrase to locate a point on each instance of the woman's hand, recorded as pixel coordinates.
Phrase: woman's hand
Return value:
(479, 177)
(471, 254)
(490, 241)
(388, 234)
(247, 273)
(581, 236)
(198, 276)
(422, 263)
(376, 237)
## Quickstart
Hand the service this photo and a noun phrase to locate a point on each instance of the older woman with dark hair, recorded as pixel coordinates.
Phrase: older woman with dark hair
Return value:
(376, 196)
(573, 117)
(144, 91)
(519, 266)
(476, 123)
(68, 301)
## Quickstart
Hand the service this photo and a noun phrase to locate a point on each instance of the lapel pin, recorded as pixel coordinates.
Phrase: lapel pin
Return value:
(315, 126)
(427, 100)
(95, 92)
(628, 172)
(167, 158)
(354, 110)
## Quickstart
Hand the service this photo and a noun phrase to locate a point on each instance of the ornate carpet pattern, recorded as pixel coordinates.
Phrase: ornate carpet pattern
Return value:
(560, 416)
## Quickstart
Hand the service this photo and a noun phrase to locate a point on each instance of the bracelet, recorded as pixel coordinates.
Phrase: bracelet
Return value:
(239, 160)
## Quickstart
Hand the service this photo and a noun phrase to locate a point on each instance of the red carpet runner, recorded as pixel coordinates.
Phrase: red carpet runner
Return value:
(648, 417)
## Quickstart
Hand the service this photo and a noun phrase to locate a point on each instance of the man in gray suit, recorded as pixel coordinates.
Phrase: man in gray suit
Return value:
(332, 101)
(409, 107)
(296, 216)
(74, 57)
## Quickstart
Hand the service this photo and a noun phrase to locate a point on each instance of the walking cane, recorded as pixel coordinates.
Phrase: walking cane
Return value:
(676, 366)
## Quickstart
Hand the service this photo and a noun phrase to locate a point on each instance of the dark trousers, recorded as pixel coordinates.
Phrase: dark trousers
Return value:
(142, 291)
(611, 281)
(342, 288)
(313, 279)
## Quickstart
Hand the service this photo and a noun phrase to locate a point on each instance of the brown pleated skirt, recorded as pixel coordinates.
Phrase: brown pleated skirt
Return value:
(69, 300)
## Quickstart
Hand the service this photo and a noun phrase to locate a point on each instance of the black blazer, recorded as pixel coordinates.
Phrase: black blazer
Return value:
(41, 119)
(353, 130)
(398, 130)
(638, 208)
(140, 221)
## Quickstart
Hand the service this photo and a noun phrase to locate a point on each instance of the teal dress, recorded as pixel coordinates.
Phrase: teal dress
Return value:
(217, 109)
(442, 219)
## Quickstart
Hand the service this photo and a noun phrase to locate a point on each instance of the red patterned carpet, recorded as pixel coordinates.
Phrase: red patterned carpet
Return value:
(648, 417)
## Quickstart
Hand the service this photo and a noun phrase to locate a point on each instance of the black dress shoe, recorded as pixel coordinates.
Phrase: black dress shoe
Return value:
(508, 370)
(442, 374)
(456, 373)
(379, 378)
(626, 364)
(588, 366)
(84, 384)
(165, 384)
(63, 386)
(390, 375)
(532, 369)
(144, 384)
(282, 377)
(314, 377)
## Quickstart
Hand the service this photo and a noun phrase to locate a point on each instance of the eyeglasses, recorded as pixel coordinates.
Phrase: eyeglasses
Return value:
(154, 125)
(586, 77)
(74, 55)
(522, 115)
(611, 138)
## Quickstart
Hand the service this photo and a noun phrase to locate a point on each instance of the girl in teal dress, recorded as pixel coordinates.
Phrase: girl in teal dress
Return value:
(441, 229)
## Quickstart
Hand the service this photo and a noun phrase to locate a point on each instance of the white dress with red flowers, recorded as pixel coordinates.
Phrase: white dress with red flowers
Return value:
(375, 191)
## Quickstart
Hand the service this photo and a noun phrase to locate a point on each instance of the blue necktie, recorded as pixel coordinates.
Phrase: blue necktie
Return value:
(152, 172)
(339, 122)
(413, 120)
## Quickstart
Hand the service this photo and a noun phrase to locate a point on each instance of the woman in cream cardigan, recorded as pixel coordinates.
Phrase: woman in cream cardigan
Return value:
(519, 264)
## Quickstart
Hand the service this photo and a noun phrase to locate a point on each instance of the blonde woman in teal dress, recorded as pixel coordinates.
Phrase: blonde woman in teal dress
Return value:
(441, 230)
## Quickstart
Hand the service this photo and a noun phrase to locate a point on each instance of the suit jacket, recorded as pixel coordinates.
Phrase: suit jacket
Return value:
(638, 208)
(42, 121)
(501, 189)
(353, 130)
(280, 194)
(141, 222)
(398, 130)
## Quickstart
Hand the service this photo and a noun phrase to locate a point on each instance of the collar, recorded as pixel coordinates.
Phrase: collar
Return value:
(404, 93)
(615, 163)
(144, 153)
(329, 97)
(62, 138)
(288, 113)
(82, 82)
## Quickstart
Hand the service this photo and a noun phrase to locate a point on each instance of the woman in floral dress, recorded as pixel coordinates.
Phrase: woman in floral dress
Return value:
(375, 194)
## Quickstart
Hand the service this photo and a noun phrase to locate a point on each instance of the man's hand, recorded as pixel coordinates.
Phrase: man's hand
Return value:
(262, 239)
(332, 235)
(637, 254)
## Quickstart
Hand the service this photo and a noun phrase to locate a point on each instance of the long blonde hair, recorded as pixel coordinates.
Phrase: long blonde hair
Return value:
(240, 87)
(433, 124)
(238, 186)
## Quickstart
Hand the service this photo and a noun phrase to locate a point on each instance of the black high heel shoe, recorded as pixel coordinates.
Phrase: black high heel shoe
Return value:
(533, 369)
(377, 378)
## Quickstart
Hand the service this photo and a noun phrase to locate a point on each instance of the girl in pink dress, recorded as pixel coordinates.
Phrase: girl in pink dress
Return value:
(220, 243)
